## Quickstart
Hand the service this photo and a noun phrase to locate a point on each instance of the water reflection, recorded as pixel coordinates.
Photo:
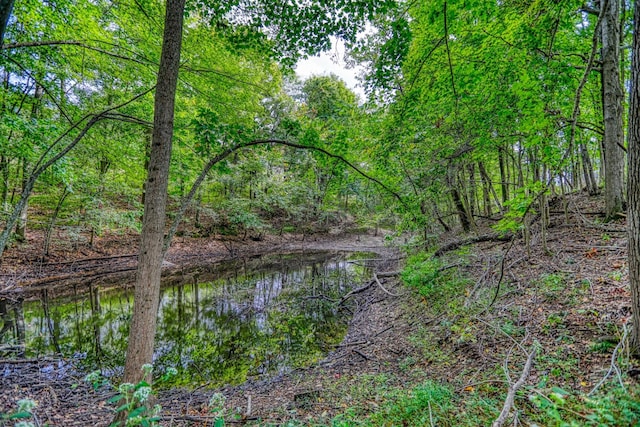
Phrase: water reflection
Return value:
(258, 317)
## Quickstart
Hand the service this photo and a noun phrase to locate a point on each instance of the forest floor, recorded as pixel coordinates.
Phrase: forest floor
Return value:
(570, 301)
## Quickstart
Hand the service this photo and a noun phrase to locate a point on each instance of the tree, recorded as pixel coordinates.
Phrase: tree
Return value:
(612, 99)
(147, 288)
(633, 185)
(6, 6)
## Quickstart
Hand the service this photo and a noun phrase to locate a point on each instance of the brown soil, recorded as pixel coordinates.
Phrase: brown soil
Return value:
(391, 336)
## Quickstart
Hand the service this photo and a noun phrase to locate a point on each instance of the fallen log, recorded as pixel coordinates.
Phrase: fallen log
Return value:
(84, 260)
(471, 240)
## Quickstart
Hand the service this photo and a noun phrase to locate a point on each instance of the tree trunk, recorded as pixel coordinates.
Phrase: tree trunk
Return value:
(473, 202)
(52, 222)
(6, 7)
(4, 177)
(587, 169)
(504, 178)
(633, 185)
(21, 225)
(147, 287)
(487, 191)
(612, 99)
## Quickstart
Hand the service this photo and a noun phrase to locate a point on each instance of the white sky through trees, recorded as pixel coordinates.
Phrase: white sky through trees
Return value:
(331, 62)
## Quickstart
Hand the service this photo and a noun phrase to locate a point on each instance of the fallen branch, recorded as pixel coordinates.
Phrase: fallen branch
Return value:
(361, 354)
(388, 274)
(470, 240)
(27, 361)
(511, 395)
(83, 260)
(205, 419)
(375, 276)
(614, 367)
(355, 291)
(504, 256)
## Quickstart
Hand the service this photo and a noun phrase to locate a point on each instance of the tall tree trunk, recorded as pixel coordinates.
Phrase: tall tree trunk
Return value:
(633, 185)
(4, 177)
(487, 190)
(587, 169)
(473, 202)
(147, 287)
(6, 7)
(21, 226)
(612, 99)
(504, 178)
(52, 222)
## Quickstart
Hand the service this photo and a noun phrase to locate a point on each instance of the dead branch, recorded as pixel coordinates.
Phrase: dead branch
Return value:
(388, 274)
(471, 240)
(27, 361)
(375, 276)
(83, 260)
(511, 395)
(355, 350)
(614, 366)
(355, 291)
(205, 419)
(504, 256)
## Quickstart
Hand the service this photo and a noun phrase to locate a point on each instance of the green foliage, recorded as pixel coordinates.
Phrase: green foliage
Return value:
(133, 399)
(558, 407)
(519, 206)
(20, 415)
(553, 285)
(436, 283)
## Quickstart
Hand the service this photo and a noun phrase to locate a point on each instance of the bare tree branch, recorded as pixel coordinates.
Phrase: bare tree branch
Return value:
(511, 395)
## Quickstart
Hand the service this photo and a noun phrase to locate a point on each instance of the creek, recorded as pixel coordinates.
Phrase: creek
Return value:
(220, 324)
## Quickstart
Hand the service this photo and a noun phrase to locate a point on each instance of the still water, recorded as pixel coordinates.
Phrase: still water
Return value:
(218, 325)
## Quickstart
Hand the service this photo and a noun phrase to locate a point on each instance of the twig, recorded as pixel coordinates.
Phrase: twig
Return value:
(504, 333)
(355, 350)
(349, 344)
(355, 291)
(388, 274)
(504, 256)
(614, 367)
(511, 395)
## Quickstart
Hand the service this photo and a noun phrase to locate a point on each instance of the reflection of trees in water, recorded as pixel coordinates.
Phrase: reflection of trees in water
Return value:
(12, 334)
(224, 330)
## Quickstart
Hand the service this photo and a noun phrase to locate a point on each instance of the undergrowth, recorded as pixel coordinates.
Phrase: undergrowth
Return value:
(458, 401)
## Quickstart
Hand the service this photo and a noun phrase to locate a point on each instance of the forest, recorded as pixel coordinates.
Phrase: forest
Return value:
(191, 234)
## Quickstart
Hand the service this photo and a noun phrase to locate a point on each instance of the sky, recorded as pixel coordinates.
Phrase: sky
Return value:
(331, 62)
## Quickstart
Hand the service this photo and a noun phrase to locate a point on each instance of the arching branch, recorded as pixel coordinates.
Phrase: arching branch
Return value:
(43, 164)
(186, 200)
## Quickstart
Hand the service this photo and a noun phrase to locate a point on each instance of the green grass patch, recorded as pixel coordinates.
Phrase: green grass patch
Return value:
(439, 284)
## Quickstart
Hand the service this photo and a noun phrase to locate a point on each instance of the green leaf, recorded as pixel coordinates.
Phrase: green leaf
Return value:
(20, 415)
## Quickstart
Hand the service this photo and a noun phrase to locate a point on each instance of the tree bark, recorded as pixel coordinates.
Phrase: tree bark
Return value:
(6, 7)
(612, 99)
(504, 178)
(587, 169)
(633, 185)
(147, 287)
